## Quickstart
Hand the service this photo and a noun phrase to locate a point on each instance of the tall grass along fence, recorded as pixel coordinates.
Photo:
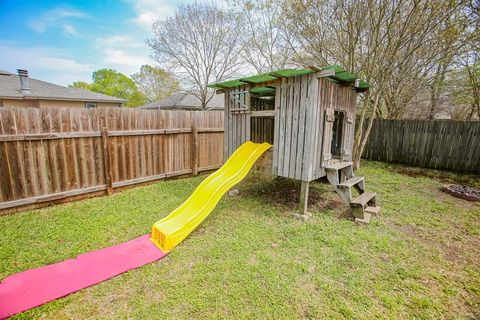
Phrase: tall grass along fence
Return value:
(439, 144)
(50, 154)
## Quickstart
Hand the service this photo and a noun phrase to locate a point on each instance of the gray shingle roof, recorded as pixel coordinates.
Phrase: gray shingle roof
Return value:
(10, 89)
(185, 101)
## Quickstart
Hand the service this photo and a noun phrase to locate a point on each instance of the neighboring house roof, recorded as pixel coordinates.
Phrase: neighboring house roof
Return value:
(338, 74)
(185, 101)
(10, 89)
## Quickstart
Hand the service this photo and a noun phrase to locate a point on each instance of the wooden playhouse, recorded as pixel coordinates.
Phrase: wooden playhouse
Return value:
(309, 117)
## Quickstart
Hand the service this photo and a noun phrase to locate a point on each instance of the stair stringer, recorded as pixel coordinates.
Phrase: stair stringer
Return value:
(340, 172)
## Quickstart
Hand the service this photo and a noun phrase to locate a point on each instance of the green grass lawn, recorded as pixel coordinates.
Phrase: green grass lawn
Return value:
(251, 259)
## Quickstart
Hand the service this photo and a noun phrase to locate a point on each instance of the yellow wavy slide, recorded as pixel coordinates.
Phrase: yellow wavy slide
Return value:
(171, 230)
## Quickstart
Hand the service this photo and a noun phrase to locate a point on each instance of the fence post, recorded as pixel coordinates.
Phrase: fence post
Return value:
(194, 144)
(106, 161)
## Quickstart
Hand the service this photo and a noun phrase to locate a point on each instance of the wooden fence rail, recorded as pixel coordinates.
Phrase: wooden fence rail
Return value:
(439, 144)
(56, 153)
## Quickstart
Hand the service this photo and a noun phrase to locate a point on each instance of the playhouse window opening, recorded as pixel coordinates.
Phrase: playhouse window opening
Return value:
(262, 128)
(337, 133)
(260, 103)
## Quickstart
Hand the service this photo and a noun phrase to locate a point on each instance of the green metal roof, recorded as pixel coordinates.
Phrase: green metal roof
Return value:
(340, 75)
(227, 84)
(364, 85)
(259, 78)
(263, 90)
(291, 72)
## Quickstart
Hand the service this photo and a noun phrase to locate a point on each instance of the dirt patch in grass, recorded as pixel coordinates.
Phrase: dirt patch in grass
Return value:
(284, 194)
(451, 253)
(439, 175)
(410, 229)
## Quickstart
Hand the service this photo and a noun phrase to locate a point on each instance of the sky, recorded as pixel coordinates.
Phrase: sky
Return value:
(65, 41)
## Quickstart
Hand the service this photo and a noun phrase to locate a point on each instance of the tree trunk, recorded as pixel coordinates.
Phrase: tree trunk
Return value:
(359, 129)
(363, 140)
(203, 99)
(471, 113)
(433, 101)
(436, 90)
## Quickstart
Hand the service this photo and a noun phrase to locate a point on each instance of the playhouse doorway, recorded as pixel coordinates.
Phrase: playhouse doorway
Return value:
(337, 134)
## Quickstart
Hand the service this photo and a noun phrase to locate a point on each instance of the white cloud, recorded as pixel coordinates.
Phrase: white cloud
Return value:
(57, 66)
(70, 30)
(121, 41)
(43, 63)
(53, 18)
(124, 61)
(125, 53)
(114, 40)
(150, 10)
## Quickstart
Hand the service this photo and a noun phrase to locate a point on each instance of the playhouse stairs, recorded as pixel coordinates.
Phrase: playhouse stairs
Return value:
(341, 177)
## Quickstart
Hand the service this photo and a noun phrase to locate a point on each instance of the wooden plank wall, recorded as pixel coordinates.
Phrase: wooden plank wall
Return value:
(438, 144)
(300, 137)
(295, 119)
(262, 129)
(54, 153)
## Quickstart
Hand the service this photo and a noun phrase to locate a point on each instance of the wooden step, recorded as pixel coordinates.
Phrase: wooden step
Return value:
(365, 220)
(373, 210)
(339, 165)
(351, 182)
(363, 199)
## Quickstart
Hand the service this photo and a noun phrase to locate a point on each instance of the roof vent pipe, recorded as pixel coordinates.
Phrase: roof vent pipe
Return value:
(24, 83)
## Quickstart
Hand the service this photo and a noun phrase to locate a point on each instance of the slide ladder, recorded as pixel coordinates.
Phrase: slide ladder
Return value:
(171, 230)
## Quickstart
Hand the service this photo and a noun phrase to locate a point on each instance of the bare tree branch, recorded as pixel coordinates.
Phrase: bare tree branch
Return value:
(199, 43)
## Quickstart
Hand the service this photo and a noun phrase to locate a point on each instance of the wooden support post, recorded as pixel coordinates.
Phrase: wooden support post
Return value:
(194, 145)
(106, 161)
(303, 207)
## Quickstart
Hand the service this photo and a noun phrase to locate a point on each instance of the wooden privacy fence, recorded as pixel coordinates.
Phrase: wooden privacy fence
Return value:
(54, 153)
(439, 144)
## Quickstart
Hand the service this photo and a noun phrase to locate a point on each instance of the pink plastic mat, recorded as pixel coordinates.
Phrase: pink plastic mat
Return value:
(34, 287)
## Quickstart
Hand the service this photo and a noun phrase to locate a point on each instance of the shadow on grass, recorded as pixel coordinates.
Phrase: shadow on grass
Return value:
(284, 194)
(439, 175)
